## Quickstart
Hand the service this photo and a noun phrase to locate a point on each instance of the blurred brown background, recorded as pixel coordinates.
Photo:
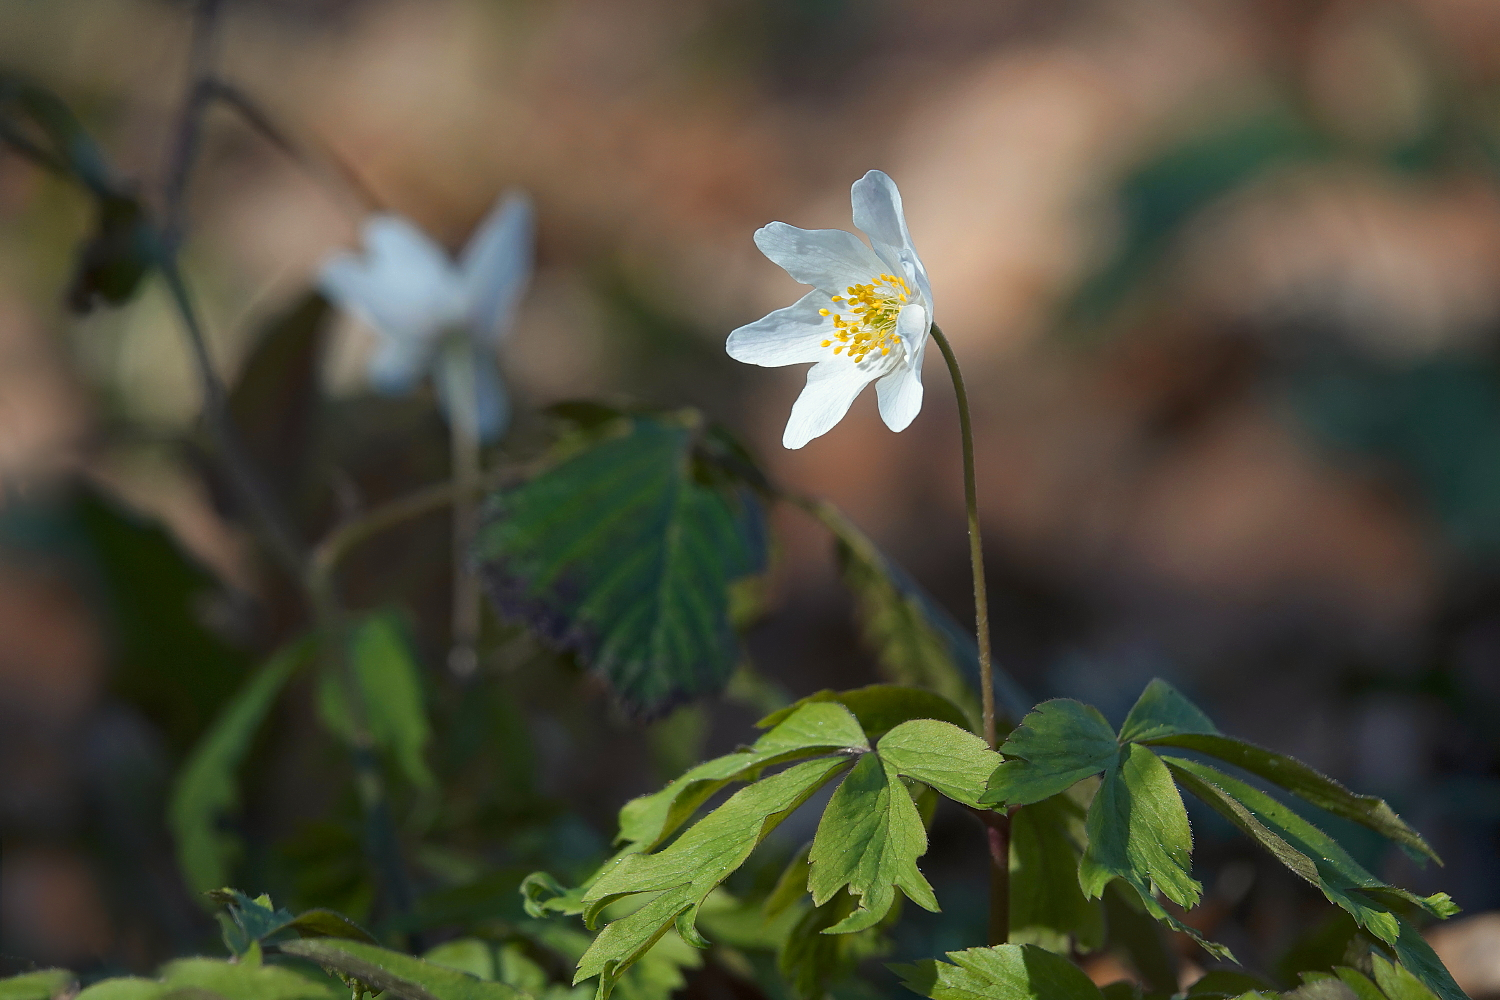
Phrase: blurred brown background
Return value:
(1224, 276)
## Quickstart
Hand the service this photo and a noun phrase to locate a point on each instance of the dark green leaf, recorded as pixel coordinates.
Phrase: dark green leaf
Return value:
(1003, 972)
(1227, 983)
(1417, 957)
(1142, 939)
(1301, 780)
(1397, 983)
(881, 707)
(43, 985)
(623, 554)
(952, 760)
(403, 976)
(1359, 984)
(1162, 711)
(869, 840)
(114, 259)
(206, 787)
(811, 960)
(683, 874)
(1057, 744)
(916, 641)
(390, 684)
(1138, 831)
(246, 981)
(1303, 848)
(1047, 906)
(329, 924)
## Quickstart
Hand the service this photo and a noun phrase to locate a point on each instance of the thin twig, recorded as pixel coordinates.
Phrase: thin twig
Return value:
(201, 57)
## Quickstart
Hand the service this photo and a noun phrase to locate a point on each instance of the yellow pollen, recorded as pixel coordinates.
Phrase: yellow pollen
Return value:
(871, 325)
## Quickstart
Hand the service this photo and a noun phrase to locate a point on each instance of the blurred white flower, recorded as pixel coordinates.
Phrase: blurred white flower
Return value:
(435, 314)
(867, 319)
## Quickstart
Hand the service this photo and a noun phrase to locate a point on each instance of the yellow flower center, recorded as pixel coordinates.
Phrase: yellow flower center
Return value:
(870, 327)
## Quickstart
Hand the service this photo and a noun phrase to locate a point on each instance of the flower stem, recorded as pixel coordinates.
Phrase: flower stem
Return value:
(976, 545)
(997, 824)
(463, 426)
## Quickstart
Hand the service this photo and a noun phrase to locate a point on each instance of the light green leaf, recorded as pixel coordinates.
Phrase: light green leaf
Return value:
(1003, 972)
(1138, 831)
(625, 553)
(42, 985)
(242, 981)
(869, 840)
(1302, 847)
(880, 707)
(206, 789)
(390, 682)
(1047, 906)
(470, 955)
(1359, 984)
(1417, 957)
(1059, 743)
(1306, 783)
(125, 988)
(683, 874)
(952, 760)
(1162, 711)
(805, 730)
(1397, 983)
(404, 976)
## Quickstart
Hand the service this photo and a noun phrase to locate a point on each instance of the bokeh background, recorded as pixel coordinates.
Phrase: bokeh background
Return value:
(1224, 276)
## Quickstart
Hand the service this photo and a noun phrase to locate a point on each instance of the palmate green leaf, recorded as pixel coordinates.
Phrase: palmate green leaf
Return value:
(879, 708)
(806, 729)
(1163, 717)
(1002, 972)
(218, 979)
(625, 553)
(44, 984)
(1047, 906)
(683, 874)
(869, 840)
(1318, 858)
(1057, 744)
(206, 787)
(951, 760)
(1138, 831)
(390, 683)
(404, 976)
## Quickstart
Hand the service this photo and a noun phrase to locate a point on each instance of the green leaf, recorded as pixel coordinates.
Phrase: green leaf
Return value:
(475, 957)
(541, 894)
(815, 727)
(242, 981)
(125, 988)
(390, 682)
(206, 789)
(1417, 957)
(869, 840)
(1141, 938)
(1162, 711)
(880, 707)
(1138, 831)
(1398, 983)
(318, 923)
(42, 985)
(681, 876)
(115, 258)
(403, 976)
(1359, 984)
(1306, 783)
(951, 760)
(1227, 983)
(1047, 906)
(624, 554)
(811, 960)
(1003, 972)
(1303, 848)
(1059, 743)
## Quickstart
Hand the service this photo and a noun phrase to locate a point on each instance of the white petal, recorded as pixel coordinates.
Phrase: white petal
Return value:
(399, 363)
(899, 395)
(877, 209)
(830, 391)
(785, 337)
(829, 259)
(496, 265)
(404, 286)
(913, 324)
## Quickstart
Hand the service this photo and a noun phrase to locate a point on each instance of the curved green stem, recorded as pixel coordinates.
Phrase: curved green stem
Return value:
(976, 544)
(997, 824)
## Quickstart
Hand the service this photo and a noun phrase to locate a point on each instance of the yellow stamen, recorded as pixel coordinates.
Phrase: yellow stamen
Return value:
(871, 325)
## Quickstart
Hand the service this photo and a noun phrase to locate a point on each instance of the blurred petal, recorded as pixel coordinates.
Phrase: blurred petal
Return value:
(497, 263)
(828, 259)
(491, 401)
(830, 391)
(399, 363)
(785, 337)
(403, 286)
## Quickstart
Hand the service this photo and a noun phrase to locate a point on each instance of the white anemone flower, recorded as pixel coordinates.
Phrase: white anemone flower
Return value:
(431, 312)
(866, 320)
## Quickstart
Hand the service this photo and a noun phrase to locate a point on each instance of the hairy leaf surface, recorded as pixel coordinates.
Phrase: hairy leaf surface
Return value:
(1002, 972)
(404, 976)
(1059, 743)
(625, 554)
